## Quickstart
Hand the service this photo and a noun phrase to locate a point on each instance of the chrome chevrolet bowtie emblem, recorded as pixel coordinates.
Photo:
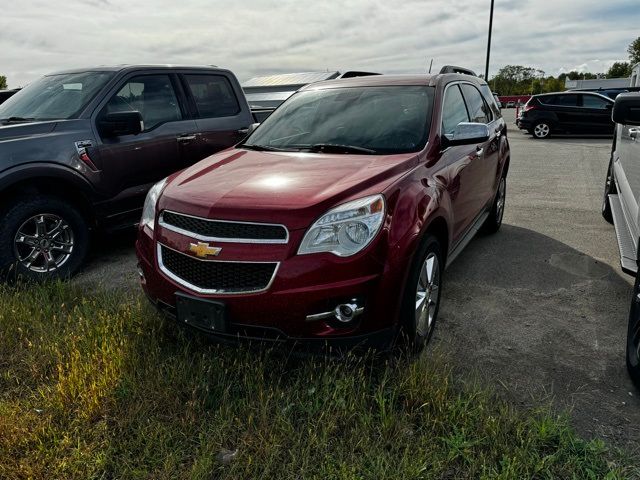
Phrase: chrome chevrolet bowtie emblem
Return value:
(203, 250)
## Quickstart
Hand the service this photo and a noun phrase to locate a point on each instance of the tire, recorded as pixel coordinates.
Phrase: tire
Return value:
(609, 188)
(417, 327)
(633, 336)
(42, 238)
(494, 220)
(541, 130)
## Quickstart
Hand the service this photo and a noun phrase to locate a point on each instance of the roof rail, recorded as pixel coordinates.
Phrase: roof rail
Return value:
(355, 73)
(454, 69)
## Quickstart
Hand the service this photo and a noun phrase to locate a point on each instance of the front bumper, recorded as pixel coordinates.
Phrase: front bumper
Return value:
(305, 287)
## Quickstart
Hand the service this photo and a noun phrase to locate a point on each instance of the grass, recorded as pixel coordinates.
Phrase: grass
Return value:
(98, 386)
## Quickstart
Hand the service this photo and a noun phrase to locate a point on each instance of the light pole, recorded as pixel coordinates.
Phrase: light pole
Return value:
(486, 69)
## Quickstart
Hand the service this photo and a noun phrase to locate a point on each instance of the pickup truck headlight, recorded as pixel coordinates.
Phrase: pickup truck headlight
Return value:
(346, 229)
(149, 209)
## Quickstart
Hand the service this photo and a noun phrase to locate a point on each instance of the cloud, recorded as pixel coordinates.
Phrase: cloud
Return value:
(254, 37)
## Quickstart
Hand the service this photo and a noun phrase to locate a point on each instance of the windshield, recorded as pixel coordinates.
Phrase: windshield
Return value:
(367, 120)
(54, 97)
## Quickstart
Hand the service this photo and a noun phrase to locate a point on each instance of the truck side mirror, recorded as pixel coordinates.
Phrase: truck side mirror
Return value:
(117, 124)
(626, 110)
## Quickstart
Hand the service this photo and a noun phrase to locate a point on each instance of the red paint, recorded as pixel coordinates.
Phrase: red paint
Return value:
(294, 189)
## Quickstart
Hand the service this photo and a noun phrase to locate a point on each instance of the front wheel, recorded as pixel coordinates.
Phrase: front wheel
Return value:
(421, 299)
(633, 335)
(42, 238)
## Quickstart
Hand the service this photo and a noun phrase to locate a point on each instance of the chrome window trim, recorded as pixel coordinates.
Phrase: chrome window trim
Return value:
(209, 291)
(206, 238)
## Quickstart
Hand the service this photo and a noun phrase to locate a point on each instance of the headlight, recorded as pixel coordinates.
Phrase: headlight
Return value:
(347, 229)
(149, 209)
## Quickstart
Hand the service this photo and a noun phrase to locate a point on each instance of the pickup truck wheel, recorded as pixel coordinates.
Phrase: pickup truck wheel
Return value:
(421, 299)
(633, 335)
(494, 220)
(541, 130)
(42, 238)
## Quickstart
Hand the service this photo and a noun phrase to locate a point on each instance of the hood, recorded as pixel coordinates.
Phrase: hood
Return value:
(28, 129)
(292, 188)
(50, 141)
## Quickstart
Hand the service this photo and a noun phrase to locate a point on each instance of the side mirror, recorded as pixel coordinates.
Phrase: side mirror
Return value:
(467, 133)
(118, 124)
(626, 109)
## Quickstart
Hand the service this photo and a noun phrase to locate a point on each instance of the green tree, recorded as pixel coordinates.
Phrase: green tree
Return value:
(3, 82)
(634, 51)
(619, 70)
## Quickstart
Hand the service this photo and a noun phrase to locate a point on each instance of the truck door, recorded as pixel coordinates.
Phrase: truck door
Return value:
(130, 164)
(221, 119)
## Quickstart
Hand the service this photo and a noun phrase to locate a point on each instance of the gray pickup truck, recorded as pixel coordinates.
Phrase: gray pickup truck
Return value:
(621, 207)
(80, 149)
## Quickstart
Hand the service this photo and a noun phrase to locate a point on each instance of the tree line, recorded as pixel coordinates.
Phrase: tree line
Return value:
(520, 80)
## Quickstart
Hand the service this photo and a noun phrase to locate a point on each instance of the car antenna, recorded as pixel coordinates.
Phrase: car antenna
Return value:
(430, 65)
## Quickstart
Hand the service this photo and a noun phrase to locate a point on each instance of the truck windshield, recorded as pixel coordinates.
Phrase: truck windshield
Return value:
(360, 120)
(54, 97)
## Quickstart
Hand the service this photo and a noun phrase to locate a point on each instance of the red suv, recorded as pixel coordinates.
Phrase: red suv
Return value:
(334, 220)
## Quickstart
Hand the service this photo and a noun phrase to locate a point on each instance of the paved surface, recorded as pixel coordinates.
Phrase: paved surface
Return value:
(539, 310)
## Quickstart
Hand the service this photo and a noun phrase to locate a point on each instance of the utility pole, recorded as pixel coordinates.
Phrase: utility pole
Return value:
(486, 69)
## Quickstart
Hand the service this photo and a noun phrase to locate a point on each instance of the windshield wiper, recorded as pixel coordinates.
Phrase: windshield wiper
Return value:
(337, 148)
(266, 148)
(16, 120)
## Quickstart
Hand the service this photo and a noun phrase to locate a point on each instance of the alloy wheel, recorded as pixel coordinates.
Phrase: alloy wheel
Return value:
(500, 200)
(541, 130)
(427, 294)
(43, 243)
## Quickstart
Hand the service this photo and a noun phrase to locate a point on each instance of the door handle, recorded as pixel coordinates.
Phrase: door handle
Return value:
(479, 151)
(243, 131)
(633, 132)
(186, 138)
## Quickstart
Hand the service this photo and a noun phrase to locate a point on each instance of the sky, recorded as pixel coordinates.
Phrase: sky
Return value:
(258, 37)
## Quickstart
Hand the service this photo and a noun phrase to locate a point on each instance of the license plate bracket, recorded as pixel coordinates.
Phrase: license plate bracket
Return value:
(204, 314)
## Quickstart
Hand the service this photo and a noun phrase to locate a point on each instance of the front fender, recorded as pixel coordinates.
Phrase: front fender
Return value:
(50, 171)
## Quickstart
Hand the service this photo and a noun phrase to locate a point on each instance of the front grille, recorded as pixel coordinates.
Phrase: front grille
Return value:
(225, 230)
(214, 276)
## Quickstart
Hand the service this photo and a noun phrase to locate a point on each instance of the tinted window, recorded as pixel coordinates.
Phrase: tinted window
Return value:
(213, 95)
(454, 110)
(478, 109)
(151, 95)
(561, 100)
(491, 99)
(593, 101)
(390, 119)
(55, 96)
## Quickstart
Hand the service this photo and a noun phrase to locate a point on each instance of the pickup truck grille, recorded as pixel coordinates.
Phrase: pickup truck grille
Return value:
(219, 230)
(211, 276)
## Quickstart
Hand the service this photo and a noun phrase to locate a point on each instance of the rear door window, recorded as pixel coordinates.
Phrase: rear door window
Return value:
(563, 100)
(213, 95)
(479, 111)
(454, 110)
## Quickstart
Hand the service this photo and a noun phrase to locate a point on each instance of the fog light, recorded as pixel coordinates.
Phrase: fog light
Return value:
(345, 312)
(140, 272)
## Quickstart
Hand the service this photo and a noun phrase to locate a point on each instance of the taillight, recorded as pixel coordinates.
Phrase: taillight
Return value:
(529, 106)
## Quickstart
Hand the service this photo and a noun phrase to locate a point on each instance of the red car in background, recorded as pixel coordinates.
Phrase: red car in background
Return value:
(334, 220)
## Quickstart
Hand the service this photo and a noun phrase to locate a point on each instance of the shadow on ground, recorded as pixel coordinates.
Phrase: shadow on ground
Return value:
(542, 321)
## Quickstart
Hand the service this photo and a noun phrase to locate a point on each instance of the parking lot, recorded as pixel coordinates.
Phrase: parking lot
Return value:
(539, 310)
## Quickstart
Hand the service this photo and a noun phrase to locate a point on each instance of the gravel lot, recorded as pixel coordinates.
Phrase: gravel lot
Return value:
(540, 309)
